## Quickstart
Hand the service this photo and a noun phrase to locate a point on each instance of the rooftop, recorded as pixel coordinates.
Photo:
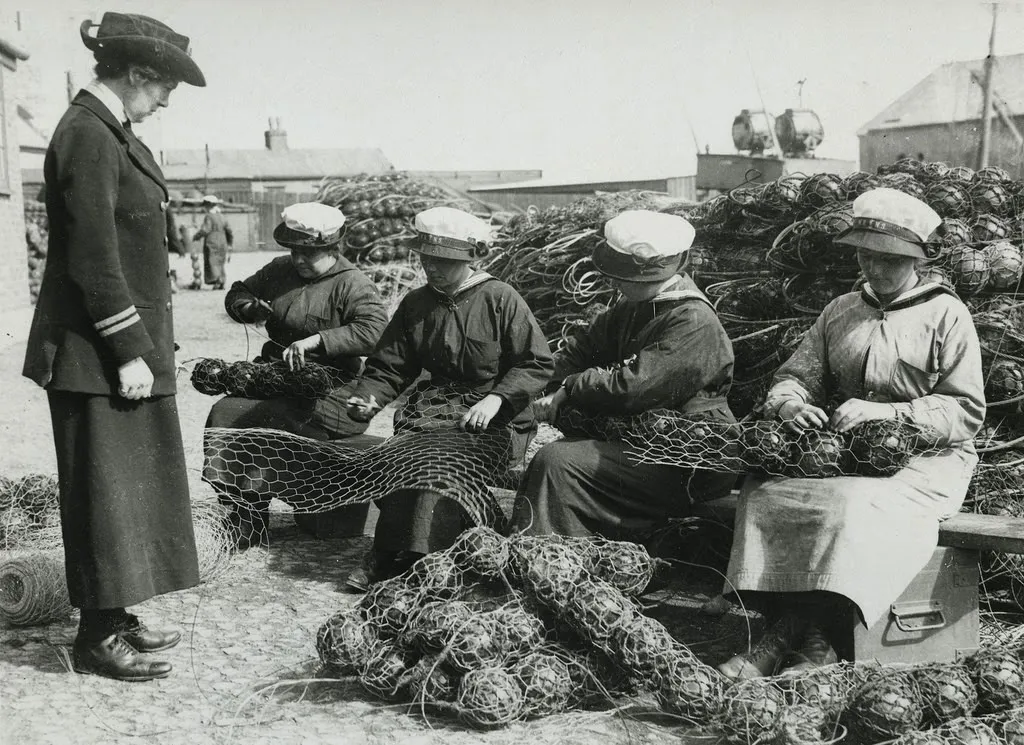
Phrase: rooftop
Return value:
(953, 93)
(191, 165)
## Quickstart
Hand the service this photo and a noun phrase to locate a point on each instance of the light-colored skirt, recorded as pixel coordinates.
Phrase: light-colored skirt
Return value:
(864, 538)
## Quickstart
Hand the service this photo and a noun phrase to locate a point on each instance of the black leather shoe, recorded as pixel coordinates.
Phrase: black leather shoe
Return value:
(144, 639)
(766, 656)
(113, 657)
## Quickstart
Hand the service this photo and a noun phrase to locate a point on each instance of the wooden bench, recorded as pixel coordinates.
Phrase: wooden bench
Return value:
(936, 618)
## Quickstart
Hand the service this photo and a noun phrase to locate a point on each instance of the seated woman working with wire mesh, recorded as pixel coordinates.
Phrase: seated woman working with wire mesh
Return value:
(819, 555)
(660, 347)
(317, 307)
(486, 358)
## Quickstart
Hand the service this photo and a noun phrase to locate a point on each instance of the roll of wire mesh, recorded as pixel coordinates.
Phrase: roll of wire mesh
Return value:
(33, 590)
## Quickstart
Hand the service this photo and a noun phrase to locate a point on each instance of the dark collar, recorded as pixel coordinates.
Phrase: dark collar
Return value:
(137, 150)
(916, 296)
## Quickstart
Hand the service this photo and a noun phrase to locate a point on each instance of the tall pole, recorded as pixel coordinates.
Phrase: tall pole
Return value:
(986, 106)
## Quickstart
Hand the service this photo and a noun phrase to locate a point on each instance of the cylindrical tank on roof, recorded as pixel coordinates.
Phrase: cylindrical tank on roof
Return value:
(799, 131)
(752, 130)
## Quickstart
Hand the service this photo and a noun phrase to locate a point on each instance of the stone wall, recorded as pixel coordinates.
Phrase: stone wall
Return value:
(14, 292)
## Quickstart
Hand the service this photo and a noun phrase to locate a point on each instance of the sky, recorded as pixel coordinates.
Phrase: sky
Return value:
(581, 89)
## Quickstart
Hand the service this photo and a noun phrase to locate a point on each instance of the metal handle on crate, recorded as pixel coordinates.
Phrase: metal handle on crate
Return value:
(902, 612)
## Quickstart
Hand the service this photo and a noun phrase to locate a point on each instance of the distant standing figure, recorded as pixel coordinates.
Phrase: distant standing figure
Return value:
(217, 239)
(102, 346)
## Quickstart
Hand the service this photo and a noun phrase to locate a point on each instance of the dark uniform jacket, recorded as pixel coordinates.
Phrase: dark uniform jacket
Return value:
(105, 298)
(484, 337)
(343, 306)
(670, 352)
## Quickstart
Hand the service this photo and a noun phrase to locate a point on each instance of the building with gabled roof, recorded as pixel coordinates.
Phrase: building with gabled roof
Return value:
(939, 119)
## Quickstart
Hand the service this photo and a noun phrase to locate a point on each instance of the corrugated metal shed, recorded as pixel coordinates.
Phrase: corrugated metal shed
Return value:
(543, 193)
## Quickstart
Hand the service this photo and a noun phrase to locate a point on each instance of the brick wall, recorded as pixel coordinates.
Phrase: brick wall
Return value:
(14, 294)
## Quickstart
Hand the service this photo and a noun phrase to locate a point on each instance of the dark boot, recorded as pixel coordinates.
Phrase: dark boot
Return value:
(815, 651)
(144, 639)
(377, 565)
(113, 657)
(766, 656)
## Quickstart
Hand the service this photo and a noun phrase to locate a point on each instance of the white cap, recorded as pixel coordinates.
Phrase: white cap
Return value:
(313, 218)
(309, 225)
(448, 233)
(643, 246)
(890, 221)
(212, 199)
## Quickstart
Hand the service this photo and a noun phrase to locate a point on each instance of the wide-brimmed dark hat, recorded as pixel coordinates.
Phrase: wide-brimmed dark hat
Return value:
(144, 40)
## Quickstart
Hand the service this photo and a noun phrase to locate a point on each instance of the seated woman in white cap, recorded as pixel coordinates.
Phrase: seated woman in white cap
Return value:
(486, 358)
(215, 232)
(660, 346)
(820, 555)
(317, 307)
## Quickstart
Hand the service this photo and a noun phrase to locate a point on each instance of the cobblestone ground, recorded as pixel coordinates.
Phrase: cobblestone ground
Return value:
(244, 672)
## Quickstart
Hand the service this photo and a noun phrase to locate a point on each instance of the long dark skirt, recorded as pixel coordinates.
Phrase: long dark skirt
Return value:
(213, 265)
(582, 487)
(418, 520)
(124, 501)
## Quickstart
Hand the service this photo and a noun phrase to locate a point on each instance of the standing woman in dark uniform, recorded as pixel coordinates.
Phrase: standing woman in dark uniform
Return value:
(102, 346)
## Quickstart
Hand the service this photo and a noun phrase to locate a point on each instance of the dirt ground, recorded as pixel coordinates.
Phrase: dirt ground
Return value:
(244, 672)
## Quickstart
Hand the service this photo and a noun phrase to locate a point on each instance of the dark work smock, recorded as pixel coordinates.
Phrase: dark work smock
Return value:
(670, 352)
(482, 339)
(343, 306)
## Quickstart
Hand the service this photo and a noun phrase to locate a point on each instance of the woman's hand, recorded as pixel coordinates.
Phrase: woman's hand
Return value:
(136, 380)
(480, 415)
(545, 409)
(857, 411)
(798, 416)
(295, 354)
(362, 410)
(258, 310)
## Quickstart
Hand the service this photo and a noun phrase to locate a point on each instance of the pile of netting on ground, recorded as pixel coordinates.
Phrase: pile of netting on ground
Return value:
(997, 488)
(496, 630)
(428, 451)
(215, 377)
(396, 279)
(33, 588)
(379, 212)
(545, 255)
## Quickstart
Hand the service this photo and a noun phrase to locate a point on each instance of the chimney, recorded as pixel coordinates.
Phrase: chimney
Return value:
(275, 137)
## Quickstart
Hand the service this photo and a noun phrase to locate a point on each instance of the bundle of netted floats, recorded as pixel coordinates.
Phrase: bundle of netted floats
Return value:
(275, 379)
(497, 630)
(379, 211)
